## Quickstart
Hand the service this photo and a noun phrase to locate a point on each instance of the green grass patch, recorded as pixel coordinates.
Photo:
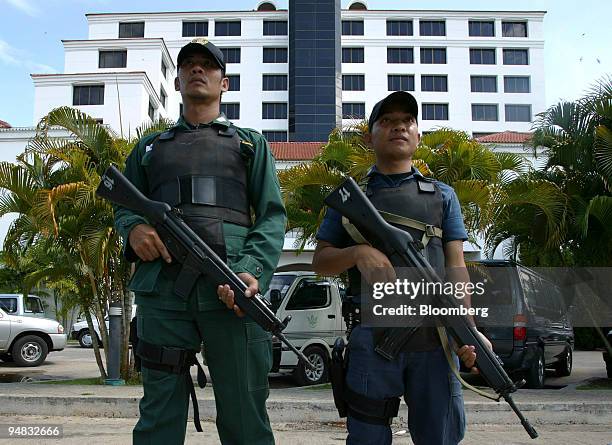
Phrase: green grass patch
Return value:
(597, 384)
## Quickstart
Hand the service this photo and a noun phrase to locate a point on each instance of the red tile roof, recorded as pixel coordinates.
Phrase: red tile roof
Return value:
(506, 137)
(5, 124)
(295, 151)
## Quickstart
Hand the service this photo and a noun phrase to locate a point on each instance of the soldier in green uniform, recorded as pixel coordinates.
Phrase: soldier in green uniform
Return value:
(223, 179)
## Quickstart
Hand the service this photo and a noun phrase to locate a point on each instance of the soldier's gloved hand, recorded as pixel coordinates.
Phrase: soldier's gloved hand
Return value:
(374, 265)
(146, 243)
(226, 295)
(467, 353)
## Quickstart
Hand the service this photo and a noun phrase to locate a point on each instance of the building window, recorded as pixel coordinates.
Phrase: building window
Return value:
(432, 28)
(400, 82)
(481, 28)
(223, 28)
(275, 55)
(275, 28)
(517, 84)
(234, 82)
(518, 113)
(399, 27)
(433, 55)
(480, 134)
(195, 29)
(353, 82)
(275, 135)
(484, 112)
(483, 84)
(231, 55)
(274, 110)
(400, 55)
(131, 29)
(514, 29)
(88, 95)
(435, 112)
(516, 57)
(352, 27)
(231, 110)
(353, 110)
(151, 111)
(434, 83)
(164, 69)
(352, 55)
(482, 56)
(162, 97)
(112, 59)
(274, 82)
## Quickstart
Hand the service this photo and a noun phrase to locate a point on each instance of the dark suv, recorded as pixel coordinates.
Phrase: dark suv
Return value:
(527, 322)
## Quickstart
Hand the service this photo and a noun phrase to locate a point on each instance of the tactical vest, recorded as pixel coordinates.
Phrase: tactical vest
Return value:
(415, 206)
(202, 172)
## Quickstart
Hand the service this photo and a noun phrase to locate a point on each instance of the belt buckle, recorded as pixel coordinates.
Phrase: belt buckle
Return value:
(430, 230)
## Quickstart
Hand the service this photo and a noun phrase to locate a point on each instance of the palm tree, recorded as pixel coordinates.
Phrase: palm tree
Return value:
(577, 139)
(52, 188)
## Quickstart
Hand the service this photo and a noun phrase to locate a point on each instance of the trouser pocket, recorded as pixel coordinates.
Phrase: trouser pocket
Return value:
(259, 356)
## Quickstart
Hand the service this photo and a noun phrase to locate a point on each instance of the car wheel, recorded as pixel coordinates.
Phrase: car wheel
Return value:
(85, 339)
(6, 358)
(564, 367)
(30, 351)
(536, 373)
(318, 357)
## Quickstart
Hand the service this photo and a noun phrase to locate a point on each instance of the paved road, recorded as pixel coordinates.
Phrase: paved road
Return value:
(75, 362)
(79, 430)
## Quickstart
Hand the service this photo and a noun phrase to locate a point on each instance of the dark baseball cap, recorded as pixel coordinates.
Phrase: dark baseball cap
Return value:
(201, 45)
(402, 98)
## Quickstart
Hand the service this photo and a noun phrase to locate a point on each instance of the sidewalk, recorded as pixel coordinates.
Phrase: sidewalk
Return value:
(305, 404)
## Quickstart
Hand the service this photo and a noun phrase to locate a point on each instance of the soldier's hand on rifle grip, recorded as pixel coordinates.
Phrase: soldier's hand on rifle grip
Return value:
(226, 295)
(374, 265)
(467, 353)
(146, 243)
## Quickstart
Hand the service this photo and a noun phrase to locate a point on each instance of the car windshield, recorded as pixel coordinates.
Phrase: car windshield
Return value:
(282, 283)
(33, 305)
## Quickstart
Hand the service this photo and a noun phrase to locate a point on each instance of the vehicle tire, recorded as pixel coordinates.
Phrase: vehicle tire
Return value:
(85, 339)
(536, 373)
(318, 357)
(6, 357)
(30, 350)
(609, 369)
(563, 367)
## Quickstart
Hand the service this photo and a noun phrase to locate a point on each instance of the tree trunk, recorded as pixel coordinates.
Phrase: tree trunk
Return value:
(94, 339)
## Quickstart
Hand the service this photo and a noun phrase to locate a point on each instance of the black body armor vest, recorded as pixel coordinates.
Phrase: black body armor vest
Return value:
(419, 200)
(203, 173)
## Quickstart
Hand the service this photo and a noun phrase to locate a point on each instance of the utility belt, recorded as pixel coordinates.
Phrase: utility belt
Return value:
(174, 361)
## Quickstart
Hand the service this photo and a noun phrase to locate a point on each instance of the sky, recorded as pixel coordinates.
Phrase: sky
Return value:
(577, 38)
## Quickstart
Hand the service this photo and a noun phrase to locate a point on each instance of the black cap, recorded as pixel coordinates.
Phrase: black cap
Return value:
(201, 45)
(403, 98)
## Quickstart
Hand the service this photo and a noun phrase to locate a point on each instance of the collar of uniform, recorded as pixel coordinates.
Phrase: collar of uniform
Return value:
(220, 120)
(373, 171)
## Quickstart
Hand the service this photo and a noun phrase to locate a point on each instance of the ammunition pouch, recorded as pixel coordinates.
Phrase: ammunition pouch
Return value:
(174, 361)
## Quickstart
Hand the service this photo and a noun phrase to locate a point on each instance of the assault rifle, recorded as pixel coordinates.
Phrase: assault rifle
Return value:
(398, 245)
(187, 248)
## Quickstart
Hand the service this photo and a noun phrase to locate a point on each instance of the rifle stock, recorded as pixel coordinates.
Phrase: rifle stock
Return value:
(350, 201)
(192, 252)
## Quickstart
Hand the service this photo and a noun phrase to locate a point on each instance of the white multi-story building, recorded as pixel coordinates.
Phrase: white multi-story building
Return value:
(296, 74)
(480, 71)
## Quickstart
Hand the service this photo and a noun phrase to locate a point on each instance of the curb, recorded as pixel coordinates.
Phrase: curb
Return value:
(306, 410)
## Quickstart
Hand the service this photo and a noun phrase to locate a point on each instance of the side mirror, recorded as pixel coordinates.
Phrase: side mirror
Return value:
(275, 298)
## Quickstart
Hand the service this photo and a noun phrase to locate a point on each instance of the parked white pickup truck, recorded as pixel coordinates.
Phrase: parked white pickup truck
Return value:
(315, 306)
(26, 337)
